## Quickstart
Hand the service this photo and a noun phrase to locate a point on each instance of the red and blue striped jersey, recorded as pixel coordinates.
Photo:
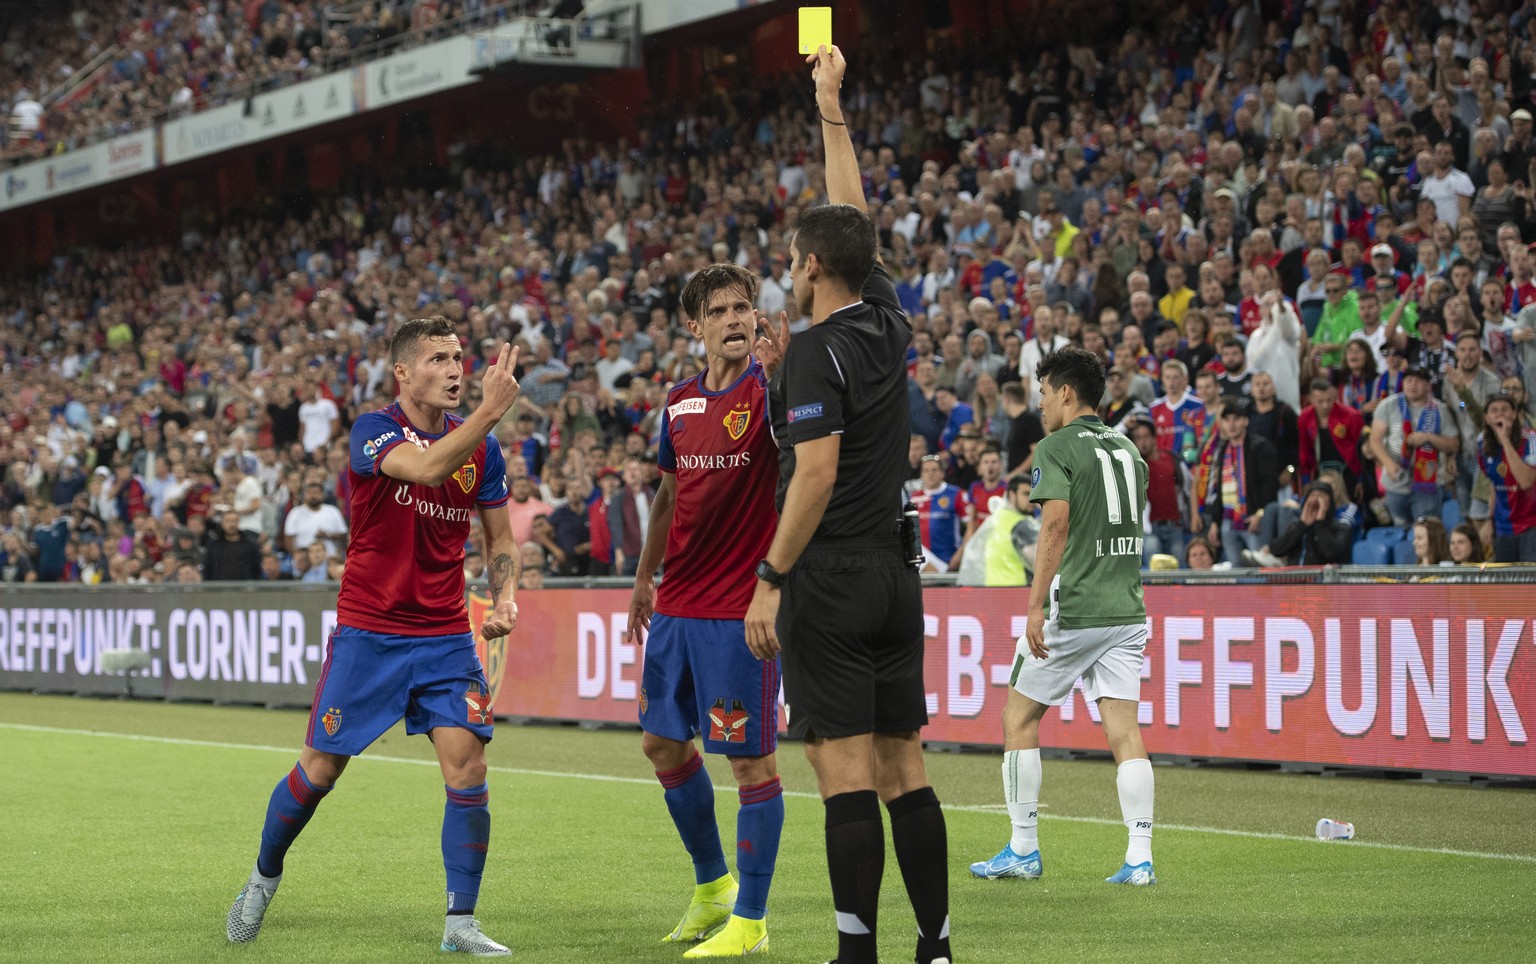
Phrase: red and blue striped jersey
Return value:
(1179, 423)
(405, 563)
(1514, 509)
(939, 514)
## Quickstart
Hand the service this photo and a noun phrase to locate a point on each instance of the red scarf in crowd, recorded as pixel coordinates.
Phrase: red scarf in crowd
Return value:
(1424, 460)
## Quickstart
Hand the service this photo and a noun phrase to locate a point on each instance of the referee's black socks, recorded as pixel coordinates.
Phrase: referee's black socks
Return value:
(922, 852)
(855, 864)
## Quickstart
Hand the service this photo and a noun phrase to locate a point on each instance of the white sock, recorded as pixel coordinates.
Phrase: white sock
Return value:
(1021, 791)
(1134, 781)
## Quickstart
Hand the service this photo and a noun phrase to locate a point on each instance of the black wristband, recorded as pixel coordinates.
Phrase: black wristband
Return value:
(827, 120)
(770, 575)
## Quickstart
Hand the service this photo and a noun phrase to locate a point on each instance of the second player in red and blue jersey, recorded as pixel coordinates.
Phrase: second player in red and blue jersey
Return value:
(712, 521)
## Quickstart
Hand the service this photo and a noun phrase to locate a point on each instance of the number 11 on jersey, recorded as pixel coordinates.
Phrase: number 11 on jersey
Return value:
(1112, 491)
(1129, 545)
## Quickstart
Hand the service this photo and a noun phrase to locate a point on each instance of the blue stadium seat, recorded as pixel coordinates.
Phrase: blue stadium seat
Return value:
(1450, 514)
(1403, 554)
(1368, 553)
(1387, 536)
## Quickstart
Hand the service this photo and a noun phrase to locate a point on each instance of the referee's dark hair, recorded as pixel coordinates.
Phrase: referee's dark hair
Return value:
(1077, 367)
(408, 337)
(842, 238)
(712, 278)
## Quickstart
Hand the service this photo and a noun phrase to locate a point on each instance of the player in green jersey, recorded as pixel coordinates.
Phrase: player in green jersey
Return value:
(1086, 615)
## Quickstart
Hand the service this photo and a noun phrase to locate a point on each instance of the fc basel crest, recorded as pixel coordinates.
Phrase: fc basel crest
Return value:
(477, 706)
(492, 652)
(466, 476)
(727, 725)
(736, 421)
(331, 720)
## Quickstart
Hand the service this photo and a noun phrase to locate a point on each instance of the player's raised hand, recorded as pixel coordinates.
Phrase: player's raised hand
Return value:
(501, 621)
(498, 386)
(771, 345)
(642, 606)
(828, 70)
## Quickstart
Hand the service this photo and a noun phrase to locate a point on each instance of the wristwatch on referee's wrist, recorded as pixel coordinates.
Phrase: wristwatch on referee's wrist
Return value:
(770, 575)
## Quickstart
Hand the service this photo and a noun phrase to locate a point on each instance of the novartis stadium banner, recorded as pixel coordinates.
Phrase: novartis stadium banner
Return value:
(1414, 677)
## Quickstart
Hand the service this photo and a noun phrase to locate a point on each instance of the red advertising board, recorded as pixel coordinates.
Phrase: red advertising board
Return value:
(1416, 677)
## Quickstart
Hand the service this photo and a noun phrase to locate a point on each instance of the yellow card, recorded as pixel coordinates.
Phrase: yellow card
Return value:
(815, 29)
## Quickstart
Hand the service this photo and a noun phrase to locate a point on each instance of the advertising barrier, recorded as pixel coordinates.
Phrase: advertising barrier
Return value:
(224, 644)
(79, 169)
(425, 70)
(283, 111)
(1413, 677)
(416, 73)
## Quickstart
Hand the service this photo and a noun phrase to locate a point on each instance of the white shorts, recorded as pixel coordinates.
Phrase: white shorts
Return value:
(1108, 659)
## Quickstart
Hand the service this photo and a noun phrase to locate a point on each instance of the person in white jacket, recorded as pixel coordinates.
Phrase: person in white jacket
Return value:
(1275, 347)
(1046, 340)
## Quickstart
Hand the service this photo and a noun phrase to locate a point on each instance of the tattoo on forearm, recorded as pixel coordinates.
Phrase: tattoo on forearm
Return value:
(502, 568)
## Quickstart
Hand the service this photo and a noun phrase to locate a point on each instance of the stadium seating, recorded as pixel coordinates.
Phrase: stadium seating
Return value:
(1388, 536)
(109, 345)
(1450, 514)
(108, 78)
(1368, 553)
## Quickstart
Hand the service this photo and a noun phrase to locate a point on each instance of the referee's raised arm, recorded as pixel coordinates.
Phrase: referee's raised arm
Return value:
(844, 186)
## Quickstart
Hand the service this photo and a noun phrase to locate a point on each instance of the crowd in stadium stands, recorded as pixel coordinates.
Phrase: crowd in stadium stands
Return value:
(160, 60)
(1300, 248)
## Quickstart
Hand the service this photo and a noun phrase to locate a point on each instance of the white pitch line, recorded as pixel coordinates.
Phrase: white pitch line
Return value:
(987, 809)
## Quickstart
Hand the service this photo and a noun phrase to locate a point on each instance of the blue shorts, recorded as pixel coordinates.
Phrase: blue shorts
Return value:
(371, 680)
(700, 678)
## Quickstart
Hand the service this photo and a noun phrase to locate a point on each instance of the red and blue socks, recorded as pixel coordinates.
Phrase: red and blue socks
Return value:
(466, 835)
(759, 824)
(293, 802)
(690, 799)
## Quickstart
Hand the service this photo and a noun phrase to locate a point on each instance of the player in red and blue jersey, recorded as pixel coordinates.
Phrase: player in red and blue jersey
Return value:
(1507, 454)
(402, 645)
(712, 520)
(940, 508)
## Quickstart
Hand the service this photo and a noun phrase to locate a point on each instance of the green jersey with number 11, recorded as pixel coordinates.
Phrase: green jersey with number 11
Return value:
(1098, 472)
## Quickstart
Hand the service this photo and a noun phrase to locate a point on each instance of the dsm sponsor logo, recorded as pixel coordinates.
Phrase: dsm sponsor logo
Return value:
(371, 447)
(804, 412)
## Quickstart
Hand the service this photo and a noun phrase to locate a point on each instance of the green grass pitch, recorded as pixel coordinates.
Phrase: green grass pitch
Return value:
(128, 827)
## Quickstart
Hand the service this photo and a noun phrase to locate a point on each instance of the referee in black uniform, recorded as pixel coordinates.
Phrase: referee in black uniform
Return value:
(836, 583)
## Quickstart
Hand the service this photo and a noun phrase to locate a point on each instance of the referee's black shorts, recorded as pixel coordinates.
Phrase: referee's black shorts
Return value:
(851, 627)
